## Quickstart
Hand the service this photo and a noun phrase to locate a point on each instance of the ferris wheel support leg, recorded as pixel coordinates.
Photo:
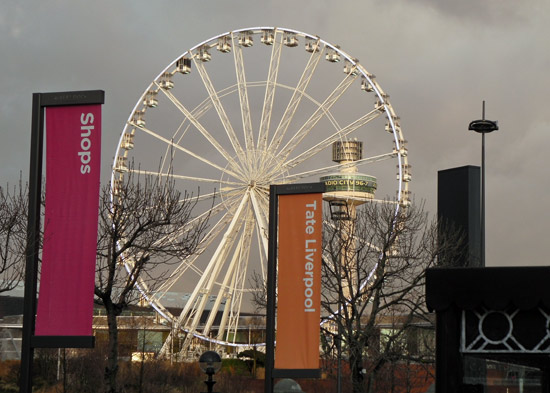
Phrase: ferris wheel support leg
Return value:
(222, 292)
(215, 264)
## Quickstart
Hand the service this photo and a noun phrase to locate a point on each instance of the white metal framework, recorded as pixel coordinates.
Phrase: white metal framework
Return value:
(233, 115)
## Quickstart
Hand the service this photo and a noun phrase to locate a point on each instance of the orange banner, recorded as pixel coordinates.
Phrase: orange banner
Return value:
(299, 281)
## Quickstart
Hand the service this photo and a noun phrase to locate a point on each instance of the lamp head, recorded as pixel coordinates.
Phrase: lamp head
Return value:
(210, 362)
(483, 126)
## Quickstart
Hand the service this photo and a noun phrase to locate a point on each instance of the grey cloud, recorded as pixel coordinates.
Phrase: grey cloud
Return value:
(437, 59)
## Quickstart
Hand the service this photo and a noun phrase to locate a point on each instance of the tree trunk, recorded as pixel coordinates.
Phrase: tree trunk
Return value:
(356, 369)
(111, 371)
(142, 363)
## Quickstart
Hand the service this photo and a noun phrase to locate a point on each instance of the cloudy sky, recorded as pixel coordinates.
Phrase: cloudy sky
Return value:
(437, 59)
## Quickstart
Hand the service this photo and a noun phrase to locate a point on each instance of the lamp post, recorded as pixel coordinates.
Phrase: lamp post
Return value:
(210, 363)
(287, 386)
(483, 127)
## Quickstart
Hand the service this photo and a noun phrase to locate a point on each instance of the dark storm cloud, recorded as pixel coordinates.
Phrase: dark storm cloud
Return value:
(437, 59)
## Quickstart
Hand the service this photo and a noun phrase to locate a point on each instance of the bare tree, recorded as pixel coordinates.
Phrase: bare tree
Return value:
(259, 294)
(13, 229)
(145, 225)
(373, 271)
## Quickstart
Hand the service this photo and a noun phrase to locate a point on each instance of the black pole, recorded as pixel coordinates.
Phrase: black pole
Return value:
(271, 289)
(339, 320)
(33, 243)
(483, 190)
(483, 126)
(210, 381)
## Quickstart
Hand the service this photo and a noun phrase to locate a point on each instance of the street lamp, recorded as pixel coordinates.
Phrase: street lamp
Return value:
(210, 363)
(287, 386)
(483, 127)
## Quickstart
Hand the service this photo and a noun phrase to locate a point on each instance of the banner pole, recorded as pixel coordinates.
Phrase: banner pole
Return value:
(33, 242)
(271, 289)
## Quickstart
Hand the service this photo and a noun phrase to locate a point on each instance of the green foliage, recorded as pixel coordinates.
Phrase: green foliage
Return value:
(235, 367)
(251, 354)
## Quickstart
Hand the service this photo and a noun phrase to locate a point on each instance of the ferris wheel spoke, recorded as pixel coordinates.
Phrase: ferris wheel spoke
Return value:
(202, 197)
(193, 120)
(189, 152)
(261, 219)
(262, 235)
(328, 114)
(199, 111)
(295, 100)
(217, 208)
(245, 251)
(182, 177)
(269, 97)
(189, 263)
(219, 108)
(338, 167)
(184, 127)
(263, 261)
(317, 115)
(216, 228)
(338, 135)
(262, 193)
(243, 94)
(209, 239)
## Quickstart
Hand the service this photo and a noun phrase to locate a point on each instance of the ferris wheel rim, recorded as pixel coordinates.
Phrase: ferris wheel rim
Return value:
(369, 77)
(387, 108)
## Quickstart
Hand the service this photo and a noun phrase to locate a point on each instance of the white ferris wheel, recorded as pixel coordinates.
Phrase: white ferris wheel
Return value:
(228, 118)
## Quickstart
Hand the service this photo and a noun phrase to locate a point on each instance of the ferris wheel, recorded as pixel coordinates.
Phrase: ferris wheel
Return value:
(228, 118)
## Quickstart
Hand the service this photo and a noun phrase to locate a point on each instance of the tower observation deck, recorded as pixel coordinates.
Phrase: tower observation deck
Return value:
(348, 186)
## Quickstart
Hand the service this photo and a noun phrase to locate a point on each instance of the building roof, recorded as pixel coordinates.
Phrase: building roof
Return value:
(493, 287)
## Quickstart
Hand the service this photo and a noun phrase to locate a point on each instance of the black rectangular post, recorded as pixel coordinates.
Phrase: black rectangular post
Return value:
(448, 367)
(458, 208)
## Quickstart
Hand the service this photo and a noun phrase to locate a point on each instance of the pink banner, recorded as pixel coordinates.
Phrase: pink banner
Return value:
(73, 156)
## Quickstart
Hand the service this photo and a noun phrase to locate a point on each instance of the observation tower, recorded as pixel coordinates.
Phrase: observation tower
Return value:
(347, 189)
